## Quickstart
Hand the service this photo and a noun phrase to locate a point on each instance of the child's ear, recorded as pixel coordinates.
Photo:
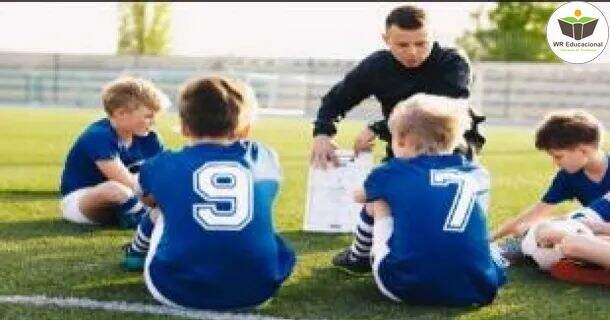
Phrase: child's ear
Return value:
(401, 142)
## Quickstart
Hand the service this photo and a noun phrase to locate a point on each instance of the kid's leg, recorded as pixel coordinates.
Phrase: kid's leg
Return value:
(356, 258)
(590, 249)
(112, 201)
(135, 252)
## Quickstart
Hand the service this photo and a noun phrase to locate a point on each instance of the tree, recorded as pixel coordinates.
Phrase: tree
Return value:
(517, 32)
(144, 28)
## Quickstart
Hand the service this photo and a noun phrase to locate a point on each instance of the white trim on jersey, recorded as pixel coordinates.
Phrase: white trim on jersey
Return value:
(382, 230)
(154, 243)
(266, 166)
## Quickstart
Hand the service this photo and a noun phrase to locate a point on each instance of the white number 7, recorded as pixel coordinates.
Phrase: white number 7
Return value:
(463, 201)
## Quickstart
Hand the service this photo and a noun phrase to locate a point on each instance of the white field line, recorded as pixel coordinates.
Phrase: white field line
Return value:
(118, 306)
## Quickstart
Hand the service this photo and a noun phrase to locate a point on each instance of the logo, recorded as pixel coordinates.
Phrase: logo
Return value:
(577, 32)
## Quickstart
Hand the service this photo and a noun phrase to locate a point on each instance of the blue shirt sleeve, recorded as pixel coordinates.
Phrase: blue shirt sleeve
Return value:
(602, 207)
(559, 190)
(145, 178)
(374, 185)
(156, 143)
(100, 145)
(264, 162)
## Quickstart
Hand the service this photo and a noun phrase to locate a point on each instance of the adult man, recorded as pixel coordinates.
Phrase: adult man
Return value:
(412, 64)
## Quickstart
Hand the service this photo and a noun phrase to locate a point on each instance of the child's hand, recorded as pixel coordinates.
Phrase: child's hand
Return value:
(549, 237)
(359, 195)
(598, 227)
(378, 209)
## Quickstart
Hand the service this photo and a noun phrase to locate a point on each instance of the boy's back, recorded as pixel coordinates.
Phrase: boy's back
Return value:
(438, 250)
(216, 235)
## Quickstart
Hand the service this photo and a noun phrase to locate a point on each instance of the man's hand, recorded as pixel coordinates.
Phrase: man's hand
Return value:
(365, 141)
(323, 151)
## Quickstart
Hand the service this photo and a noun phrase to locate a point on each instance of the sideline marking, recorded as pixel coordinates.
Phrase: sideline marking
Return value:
(119, 306)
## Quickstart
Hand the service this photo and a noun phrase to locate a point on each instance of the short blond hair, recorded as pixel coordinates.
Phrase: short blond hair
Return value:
(217, 106)
(130, 92)
(436, 124)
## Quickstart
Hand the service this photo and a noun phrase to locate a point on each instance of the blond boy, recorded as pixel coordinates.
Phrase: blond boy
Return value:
(98, 183)
(429, 237)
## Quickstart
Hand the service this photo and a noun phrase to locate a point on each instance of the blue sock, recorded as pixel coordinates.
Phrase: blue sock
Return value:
(141, 239)
(363, 240)
(130, 212)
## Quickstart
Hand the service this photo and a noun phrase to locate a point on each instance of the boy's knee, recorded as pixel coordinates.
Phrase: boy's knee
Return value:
(115, 191)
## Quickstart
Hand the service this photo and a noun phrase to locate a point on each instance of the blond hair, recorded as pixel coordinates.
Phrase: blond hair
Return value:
(434, 124)
(129, 92)
(217, 106)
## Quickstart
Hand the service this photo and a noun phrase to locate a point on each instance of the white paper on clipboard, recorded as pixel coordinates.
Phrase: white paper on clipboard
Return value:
(330, 207)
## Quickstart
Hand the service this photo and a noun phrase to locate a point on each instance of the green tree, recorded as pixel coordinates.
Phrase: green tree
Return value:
(144, 28)
(517, 32)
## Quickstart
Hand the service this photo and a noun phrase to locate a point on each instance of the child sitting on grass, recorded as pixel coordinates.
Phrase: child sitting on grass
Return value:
(213, 245)
(429, 208)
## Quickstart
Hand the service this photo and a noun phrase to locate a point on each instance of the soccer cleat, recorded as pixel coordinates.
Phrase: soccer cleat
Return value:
(133, 261)
(347, 261)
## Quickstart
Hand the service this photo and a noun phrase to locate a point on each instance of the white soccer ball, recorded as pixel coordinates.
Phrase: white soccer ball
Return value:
(545, 258)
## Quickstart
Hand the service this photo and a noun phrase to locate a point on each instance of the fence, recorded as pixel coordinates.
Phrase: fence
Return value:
(503, 91)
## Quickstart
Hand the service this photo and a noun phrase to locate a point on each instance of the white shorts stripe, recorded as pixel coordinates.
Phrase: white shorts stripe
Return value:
(154, 243)
(382, 231)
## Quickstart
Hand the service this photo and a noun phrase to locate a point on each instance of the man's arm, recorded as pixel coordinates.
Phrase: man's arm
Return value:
(521, 223)
(343, 96)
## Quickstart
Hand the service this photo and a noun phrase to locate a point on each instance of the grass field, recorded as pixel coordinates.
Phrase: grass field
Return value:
(42, 255)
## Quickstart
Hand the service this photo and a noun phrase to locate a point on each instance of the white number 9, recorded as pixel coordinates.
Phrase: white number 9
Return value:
(226, 189)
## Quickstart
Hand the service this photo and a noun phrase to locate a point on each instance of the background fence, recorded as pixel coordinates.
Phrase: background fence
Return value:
(507, 92)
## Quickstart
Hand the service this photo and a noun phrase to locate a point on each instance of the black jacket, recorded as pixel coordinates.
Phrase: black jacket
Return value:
(445, 72)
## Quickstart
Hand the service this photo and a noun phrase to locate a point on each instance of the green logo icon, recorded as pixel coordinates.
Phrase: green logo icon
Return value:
(577, 27)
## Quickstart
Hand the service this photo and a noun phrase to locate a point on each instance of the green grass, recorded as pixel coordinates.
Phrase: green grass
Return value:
(42, 255)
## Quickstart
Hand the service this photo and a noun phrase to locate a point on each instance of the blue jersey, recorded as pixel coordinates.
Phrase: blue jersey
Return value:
(439, 248)
(216, 247)
(567, 186)
(100, 141)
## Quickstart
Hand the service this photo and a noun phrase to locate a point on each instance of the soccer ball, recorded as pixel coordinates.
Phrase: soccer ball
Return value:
(546, 257)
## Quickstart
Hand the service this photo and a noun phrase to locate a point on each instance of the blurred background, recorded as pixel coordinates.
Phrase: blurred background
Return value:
(60, 54)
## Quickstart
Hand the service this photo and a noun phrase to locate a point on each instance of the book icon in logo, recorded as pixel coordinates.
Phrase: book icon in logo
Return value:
(577, 27)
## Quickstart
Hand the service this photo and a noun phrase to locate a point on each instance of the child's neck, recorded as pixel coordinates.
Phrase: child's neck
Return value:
(597, 166)
(213, 140)
(125, 136)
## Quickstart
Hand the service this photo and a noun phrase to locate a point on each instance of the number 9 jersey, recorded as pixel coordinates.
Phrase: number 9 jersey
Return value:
(437, 250)
(214, 245)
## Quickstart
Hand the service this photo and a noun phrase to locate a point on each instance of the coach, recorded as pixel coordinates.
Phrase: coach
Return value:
(412, 64)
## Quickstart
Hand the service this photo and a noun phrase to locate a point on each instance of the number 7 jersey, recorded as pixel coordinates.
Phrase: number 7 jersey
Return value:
(216, 247)
(439, 250)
